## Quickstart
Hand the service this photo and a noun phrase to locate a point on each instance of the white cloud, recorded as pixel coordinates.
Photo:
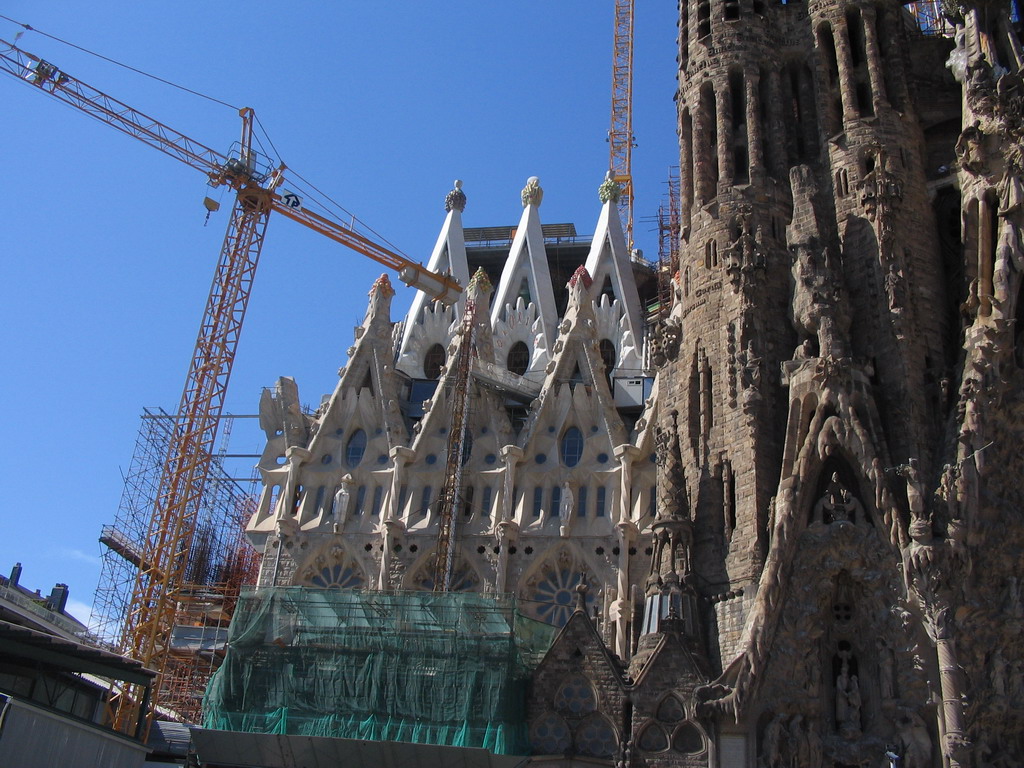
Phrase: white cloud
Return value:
(84, 557)
(78, 609)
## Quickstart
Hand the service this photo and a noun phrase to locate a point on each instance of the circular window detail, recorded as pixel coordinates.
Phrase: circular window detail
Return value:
(572, 446)
(576, 696)
(356, 448)
(433, 362)
(653, 739)
(541, 458)
(596, 737)
(338, 577)
(490, 458)
(382, 459)
(554, 598)
(549, 735)
(431, 458)
(602, 458)
(688, 740)
(326, 459)
(518, 360)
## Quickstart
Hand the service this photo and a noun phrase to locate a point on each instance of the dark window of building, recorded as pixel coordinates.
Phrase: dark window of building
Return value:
(608, 356)
(581, 499)
(425, 499)
(356, 448)
(378, 496)
(518, 360)
(360, 500)
(433, 361)
(556, 499)
(538, 500)
(467, 501)
(572, 446)
(485, 507)
(599, 510)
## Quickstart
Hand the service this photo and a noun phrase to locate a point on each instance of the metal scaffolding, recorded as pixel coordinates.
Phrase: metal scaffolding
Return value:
(219, 563)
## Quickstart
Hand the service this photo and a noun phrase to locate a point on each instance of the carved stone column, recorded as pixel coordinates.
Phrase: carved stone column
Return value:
(755, 149)
(846, 87)
(506, 529)
(878, 95)
(723, 111)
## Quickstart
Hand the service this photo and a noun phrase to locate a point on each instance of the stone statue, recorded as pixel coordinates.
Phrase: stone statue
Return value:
(915, 741)
(886, 671)
(837, 505)
(915, 488)
(566, 510)
(848, 701)
(771, 744)
(339, 509)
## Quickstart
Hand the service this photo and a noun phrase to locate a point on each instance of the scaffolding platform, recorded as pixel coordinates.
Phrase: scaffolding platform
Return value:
(423, 667)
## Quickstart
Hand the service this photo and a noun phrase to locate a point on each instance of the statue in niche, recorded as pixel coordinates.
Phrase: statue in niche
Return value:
(970, 149)
(848, 699)
(915, 488)
(915, 741)
(1009, 259)
(838, 504)
(894, 289)
(886, 671)
(772, 743)
(566, 510)
(339, 509)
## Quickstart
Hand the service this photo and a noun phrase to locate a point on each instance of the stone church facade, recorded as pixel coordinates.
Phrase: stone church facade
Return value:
(798, 545)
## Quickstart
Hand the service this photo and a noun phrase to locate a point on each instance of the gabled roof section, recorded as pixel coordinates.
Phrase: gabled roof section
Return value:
(448, 256)
(609, 262)
(369, 371)
(527, 261)
(577, 362)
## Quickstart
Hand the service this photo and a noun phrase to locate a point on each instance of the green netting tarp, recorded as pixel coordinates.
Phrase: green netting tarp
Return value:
(425, 667)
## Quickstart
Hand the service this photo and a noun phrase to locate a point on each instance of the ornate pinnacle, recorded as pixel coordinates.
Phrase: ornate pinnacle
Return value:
(532, 193)
(382, 285)
(581, 274)
(456, 198)
(480, 282)
(610, 190)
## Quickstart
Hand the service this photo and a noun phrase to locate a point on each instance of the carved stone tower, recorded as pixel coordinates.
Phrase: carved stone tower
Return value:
(827, 302)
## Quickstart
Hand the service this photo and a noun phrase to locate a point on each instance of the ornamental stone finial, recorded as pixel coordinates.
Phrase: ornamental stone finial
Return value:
(382, 286)
(532, 193)
(456, 198)
(580, 276)
(610, 190)
(479, 283)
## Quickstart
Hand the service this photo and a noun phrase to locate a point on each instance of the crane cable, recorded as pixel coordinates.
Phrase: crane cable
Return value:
(118, 63)
(215, 100)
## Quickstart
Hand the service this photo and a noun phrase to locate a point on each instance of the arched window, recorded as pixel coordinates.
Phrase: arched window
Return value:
(518, 360)
(688, 740)
(524, 291)
(433, 361)
(572, 446)
(653, 738)
(576, 696)
(596, 737)
(356, 448)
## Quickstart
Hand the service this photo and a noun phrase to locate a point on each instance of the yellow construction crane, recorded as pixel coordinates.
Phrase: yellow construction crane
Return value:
(163, 560)
(620, 137)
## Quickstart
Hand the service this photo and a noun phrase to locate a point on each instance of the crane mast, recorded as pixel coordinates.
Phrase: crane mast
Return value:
(450, 491)
(620, 136)
(161, 574)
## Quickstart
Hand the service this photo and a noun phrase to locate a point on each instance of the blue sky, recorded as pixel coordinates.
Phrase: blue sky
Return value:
(104, 257)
